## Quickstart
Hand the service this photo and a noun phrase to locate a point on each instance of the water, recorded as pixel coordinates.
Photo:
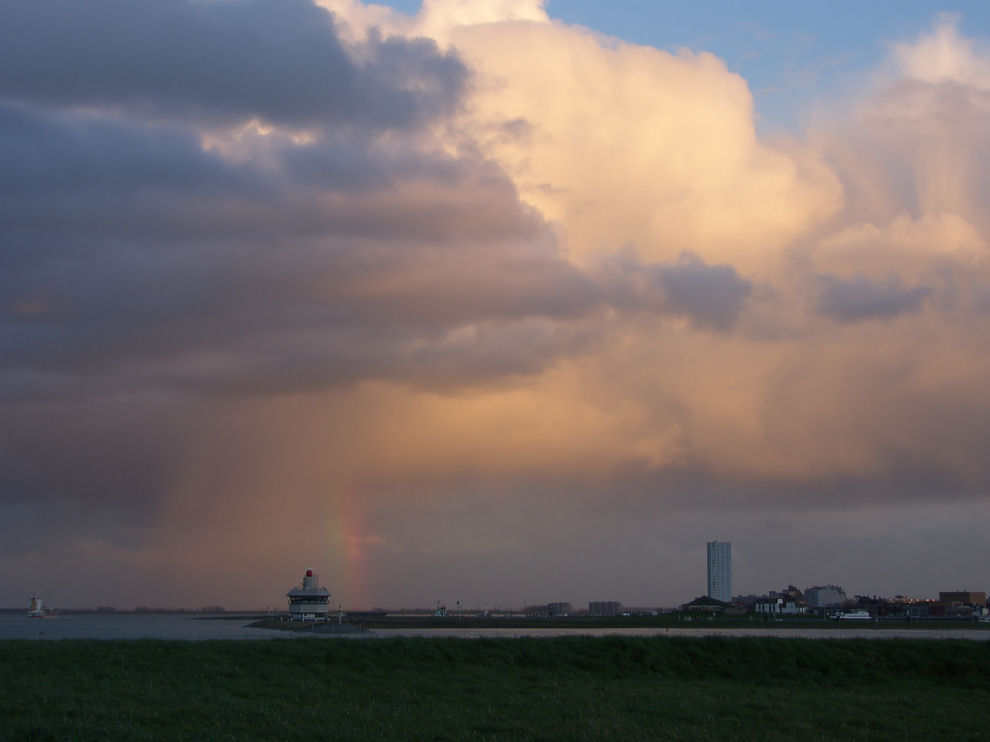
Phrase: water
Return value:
(130, 626)
(177, 626)
(838, 633)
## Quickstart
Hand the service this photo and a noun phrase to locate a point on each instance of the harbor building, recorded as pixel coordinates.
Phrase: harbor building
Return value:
(308, 601)
(720, 570)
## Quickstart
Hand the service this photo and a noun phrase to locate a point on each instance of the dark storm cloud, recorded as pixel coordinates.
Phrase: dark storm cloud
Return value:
(278, 60)
(148, 279)
(158, 269)
(857, 299)
(44, 156)
(162, 279)
(132, 251)
(711, 296)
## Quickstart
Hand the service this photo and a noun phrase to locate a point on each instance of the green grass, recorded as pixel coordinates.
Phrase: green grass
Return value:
(625, 688)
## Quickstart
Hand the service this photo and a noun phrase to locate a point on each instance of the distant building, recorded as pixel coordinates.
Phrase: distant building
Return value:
(559, 609)
(309, 601)
(783, 603)
(768, 606)
(705, 604)
(548, 610)
(604, 608)
(720, 570)
(825, 596)
(962, 597)
(747, 601)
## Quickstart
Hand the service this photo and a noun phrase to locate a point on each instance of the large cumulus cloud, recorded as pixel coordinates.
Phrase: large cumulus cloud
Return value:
(270, 271)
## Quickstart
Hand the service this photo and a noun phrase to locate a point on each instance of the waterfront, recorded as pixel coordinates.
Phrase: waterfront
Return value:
(187, 627)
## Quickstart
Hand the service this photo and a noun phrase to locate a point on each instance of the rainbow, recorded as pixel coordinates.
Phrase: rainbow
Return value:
(347, 545)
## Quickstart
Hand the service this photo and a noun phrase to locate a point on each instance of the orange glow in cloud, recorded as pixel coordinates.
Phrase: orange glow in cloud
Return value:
(628, 145)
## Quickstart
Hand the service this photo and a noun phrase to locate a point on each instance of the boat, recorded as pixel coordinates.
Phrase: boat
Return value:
(36, 608)
(855, 616)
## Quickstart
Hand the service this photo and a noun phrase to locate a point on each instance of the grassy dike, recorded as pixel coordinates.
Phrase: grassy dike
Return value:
(617, 688)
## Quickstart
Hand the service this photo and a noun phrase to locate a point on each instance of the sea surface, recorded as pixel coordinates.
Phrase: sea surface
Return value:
(836, 633)
(190, 628)
(130, 626)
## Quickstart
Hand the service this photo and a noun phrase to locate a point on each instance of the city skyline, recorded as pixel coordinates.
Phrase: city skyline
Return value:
(506, 302)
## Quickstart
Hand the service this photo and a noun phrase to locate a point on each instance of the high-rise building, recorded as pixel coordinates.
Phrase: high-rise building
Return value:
(720, 570)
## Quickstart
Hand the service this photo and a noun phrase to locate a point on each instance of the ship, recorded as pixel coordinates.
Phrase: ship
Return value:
(36, 608)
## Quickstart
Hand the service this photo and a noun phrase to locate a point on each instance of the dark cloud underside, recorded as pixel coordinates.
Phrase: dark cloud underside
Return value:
(277, 60)
(860, 298)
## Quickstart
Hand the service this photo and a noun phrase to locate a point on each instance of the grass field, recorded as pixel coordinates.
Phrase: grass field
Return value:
(620, 688)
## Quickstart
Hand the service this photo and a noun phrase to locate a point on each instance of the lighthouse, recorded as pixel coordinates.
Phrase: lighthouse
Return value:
(309, 601)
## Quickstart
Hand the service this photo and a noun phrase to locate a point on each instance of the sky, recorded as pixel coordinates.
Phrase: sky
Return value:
(492, 302)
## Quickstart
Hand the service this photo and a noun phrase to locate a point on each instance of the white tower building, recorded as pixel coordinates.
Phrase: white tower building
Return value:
(308, 601)
(720, 570)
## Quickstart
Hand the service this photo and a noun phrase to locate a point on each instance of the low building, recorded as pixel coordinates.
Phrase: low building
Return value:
(768, 606)
(308, 601)
(559, 609)
(604, 608)
(548, 610)
(789, 602)
(962, 597)
(707, 605)
(825, 596)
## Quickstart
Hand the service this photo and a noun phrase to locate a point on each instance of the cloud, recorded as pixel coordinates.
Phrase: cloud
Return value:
(917, 141)
(713, 295)
(710, 296)
(859, 298)
(172, 264)
(633, 146)
(285, 272)
(281, 62)
(943, 55)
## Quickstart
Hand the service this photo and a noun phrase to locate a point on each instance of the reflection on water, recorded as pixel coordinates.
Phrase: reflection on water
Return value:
(173, 626)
